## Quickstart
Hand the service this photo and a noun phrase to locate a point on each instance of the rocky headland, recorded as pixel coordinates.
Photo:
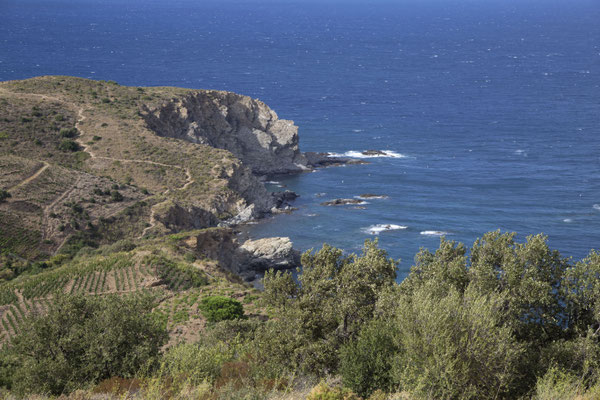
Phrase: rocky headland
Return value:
(95, 162)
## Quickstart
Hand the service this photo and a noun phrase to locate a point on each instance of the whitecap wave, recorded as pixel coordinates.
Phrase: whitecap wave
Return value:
(596, 207)
(273, 182)
(434, 233)
(369, 197)
(377, 229)
(567, 220)
(360, 154)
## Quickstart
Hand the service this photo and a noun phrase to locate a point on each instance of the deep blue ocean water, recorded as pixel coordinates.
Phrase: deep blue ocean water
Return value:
(493, 106)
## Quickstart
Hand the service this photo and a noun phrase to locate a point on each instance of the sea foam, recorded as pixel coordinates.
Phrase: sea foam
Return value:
(359, 154)
(434, 233)
(377, 229)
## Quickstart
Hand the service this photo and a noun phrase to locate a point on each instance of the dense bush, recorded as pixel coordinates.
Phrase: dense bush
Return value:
(480, 324)
(68, 145)
(4, 195)
(115, 195)
(69, 132)
(221, 308)
(83, 340)
(366, 363)
(196, 363)
(333, 298)
(325, 392)
(176, 275)
(454, 346)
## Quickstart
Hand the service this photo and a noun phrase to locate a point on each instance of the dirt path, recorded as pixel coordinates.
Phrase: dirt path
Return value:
(32, 177)
(152, 223)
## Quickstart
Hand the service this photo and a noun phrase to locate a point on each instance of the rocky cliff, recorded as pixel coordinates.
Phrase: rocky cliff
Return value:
(248, 259)
(246, 127)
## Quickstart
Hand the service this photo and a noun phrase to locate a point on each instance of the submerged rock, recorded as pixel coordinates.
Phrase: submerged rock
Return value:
(316, 160)
(342, 202)
(374, 153)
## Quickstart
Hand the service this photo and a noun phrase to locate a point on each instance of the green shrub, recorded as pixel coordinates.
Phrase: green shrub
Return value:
(68, 145)
(453, 345)
(220, 308)
(69, 132)
(177, 276)
(84, 340)
(332, 299)
(557, 384)
(4, 194)
(365, 363)
(195, 363)
(115, 195)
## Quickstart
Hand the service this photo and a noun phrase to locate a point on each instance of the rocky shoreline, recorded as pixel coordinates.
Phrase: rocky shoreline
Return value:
(266, 145)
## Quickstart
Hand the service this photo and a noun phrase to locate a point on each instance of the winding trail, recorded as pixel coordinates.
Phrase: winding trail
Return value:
(86, 148)
(78, 124)
(32, 177)
(152, 220)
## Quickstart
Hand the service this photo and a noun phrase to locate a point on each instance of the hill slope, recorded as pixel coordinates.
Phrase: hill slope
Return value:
(94, 162)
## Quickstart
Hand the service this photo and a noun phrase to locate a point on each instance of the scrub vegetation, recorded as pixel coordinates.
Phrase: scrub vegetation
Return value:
(501, 320)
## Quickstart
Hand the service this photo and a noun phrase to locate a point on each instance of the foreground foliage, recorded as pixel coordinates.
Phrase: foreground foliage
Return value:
(501, 320)
(85, 339)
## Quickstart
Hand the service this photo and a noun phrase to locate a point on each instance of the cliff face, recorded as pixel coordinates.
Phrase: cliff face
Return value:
(247, 128)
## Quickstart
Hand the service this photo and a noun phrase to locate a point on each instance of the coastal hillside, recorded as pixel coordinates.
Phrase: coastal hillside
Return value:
(101, 195)
(90, 162)
(124, 274)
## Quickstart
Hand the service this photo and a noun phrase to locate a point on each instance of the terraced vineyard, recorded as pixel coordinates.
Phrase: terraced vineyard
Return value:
(119, 273)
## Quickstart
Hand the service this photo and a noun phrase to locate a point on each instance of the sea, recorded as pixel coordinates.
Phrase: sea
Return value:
(487, 111)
